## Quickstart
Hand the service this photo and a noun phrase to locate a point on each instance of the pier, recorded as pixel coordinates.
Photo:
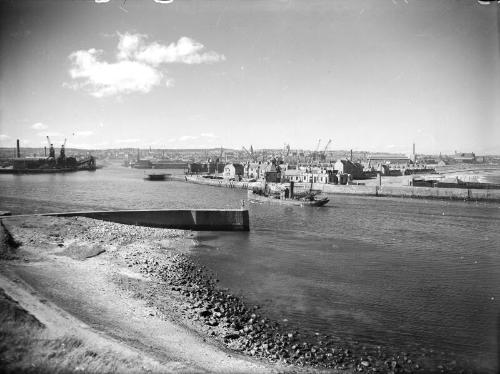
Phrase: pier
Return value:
(184, 219)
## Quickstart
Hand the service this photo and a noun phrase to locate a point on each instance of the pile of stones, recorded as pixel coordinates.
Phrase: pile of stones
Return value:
(242, 328)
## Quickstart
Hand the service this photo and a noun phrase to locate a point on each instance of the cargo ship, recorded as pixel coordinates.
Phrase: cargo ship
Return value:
(51, 164)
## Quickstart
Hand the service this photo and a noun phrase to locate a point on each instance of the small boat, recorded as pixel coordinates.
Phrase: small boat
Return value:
(156, 177)
(276, 199)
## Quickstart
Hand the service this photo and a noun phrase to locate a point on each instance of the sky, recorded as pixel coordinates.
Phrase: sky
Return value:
(374, 75)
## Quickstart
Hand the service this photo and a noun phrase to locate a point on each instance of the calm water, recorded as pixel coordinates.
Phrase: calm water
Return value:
(412, 274)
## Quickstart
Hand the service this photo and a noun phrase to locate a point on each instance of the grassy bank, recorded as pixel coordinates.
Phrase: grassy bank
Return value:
(29, 346)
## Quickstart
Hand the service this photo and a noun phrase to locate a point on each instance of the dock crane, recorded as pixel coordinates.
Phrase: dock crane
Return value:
(323, 153)
(63, 150)
(52, 151)
(221, 153)
(317, 146)
(286, 149)
(314, 155)
(248, 152)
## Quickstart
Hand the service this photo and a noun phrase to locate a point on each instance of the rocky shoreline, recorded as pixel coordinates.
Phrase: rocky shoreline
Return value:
(243, 328)
(180, 289)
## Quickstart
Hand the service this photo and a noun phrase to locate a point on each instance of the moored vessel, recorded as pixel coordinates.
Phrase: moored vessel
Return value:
(310, 200)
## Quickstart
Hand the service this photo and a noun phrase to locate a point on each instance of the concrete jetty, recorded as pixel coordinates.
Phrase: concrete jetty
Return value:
(184, 219)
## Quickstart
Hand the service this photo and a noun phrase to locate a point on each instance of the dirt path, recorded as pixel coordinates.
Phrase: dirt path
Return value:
(62, 326)
(70, 285)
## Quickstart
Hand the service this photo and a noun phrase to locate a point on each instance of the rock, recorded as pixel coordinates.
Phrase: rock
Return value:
(205, 313)
(365, 363)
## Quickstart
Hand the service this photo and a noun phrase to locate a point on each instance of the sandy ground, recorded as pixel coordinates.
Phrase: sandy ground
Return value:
(92, 280)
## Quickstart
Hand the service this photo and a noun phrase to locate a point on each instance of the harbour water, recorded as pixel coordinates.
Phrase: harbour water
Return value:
(414, 275)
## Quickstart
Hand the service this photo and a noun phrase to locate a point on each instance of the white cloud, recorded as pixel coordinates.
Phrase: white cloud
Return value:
(170, 82)
(39, 126)
(137, 67)
(128, 45)
(4, 137)
(186, 50)
(104, 79)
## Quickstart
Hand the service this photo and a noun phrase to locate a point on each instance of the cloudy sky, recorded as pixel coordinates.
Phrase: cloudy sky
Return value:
(370, 75)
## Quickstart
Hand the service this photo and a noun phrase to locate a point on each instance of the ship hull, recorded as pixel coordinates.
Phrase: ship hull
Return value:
(265, 199)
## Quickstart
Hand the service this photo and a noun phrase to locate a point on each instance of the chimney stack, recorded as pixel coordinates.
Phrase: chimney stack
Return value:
(18, 150)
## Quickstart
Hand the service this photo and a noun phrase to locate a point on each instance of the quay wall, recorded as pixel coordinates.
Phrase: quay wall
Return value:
(383, 191)
(345, 189)
(185, 219)
(215, 182)
(410, 191)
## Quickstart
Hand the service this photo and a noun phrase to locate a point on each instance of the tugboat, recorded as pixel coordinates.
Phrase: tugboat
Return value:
(287, 197)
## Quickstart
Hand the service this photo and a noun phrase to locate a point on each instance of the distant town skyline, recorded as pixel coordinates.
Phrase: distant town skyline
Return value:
(370, 75)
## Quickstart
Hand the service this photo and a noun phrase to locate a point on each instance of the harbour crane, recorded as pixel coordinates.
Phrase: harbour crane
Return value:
(221, 153)
(317, 146)
(327, 145)
(314, 155)
(52, 152)
(250, 154)
(323, 153)
(286, 149)
(63, 151)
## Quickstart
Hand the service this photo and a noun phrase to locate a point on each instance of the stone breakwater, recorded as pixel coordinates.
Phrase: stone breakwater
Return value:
(184, 291)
